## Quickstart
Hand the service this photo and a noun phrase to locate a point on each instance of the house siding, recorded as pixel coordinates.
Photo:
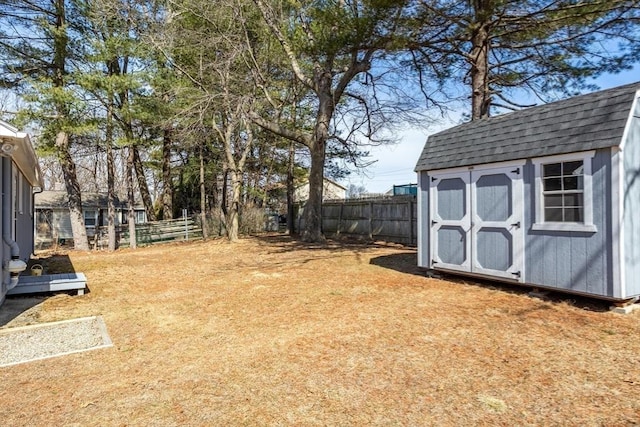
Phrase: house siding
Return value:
(24, 220)
(4, 249)
(572, 261)
(631, 203)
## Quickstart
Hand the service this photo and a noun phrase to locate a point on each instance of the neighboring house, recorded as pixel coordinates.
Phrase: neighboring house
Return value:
(54, 222)
(404, 190)
(548, 196)
(20, 177)
(331, 191)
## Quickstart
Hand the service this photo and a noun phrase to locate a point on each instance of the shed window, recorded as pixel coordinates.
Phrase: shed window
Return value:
(563, 193)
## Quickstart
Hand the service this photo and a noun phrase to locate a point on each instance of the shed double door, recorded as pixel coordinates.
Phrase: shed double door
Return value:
(477, 221)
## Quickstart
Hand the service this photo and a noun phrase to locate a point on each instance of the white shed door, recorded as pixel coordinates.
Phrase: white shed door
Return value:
(477, 222)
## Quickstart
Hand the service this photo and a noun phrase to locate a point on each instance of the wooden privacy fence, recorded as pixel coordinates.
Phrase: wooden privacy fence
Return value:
(390, 219)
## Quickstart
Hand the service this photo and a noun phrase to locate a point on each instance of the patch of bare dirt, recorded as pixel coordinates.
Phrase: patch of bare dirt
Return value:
(270, 331)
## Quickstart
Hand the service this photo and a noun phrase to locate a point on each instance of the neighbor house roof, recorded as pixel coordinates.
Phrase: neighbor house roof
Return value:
(60, 199)
(586, 122)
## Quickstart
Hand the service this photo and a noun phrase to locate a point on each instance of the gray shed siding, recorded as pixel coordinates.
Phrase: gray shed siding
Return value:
(572, 261)
(605, 262)
(631, 203)
(579, 262)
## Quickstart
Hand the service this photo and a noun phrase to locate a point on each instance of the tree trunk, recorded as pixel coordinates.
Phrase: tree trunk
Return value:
(131, 218)
(203, 198)
(67, 164)
(111, 171)
(78, 229)
(167, 191)
(233, 222)
(313, 208)
(291, 228)
(480, 95)
(224, 197)
(143, 187)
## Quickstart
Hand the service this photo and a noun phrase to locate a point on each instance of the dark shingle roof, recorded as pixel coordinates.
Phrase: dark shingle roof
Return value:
(60, 199)
(586, 122)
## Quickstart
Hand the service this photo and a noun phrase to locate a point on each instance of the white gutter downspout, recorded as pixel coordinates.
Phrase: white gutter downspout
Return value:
(15, 265)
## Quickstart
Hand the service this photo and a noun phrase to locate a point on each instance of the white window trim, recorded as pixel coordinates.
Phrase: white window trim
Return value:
(587, 225)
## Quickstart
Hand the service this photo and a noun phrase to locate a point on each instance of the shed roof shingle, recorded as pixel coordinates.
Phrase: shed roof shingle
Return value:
(586, 122)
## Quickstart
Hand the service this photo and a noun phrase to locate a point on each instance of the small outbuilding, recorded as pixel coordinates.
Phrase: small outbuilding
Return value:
(547, 197)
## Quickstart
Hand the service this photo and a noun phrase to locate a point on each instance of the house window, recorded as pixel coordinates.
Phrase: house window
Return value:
(140, 217)
(90, 218)
(20, 191)
(563, 193)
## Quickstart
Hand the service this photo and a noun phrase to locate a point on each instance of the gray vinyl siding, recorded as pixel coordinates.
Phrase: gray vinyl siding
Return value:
(24, 220)
(423, 218)
(4, 249)
(573, 261)
(631, 218)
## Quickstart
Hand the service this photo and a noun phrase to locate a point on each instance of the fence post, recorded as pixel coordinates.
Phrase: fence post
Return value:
(186, 224)
(339, 219)
(371, 220)
(411, 221)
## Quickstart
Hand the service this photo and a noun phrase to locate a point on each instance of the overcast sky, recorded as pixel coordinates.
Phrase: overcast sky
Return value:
(394, 164)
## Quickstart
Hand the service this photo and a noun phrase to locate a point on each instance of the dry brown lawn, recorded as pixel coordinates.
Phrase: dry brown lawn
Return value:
(273, 332)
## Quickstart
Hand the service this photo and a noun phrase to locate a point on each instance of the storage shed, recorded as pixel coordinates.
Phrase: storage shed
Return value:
(547, 197)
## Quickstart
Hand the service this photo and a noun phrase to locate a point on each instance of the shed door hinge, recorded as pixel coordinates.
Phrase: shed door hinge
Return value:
(433, 178)
(516, 171)
(517, 274)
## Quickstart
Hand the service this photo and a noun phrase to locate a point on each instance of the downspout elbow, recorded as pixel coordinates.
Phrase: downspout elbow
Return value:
(13, 246)
(14, 266)
(13, 281)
